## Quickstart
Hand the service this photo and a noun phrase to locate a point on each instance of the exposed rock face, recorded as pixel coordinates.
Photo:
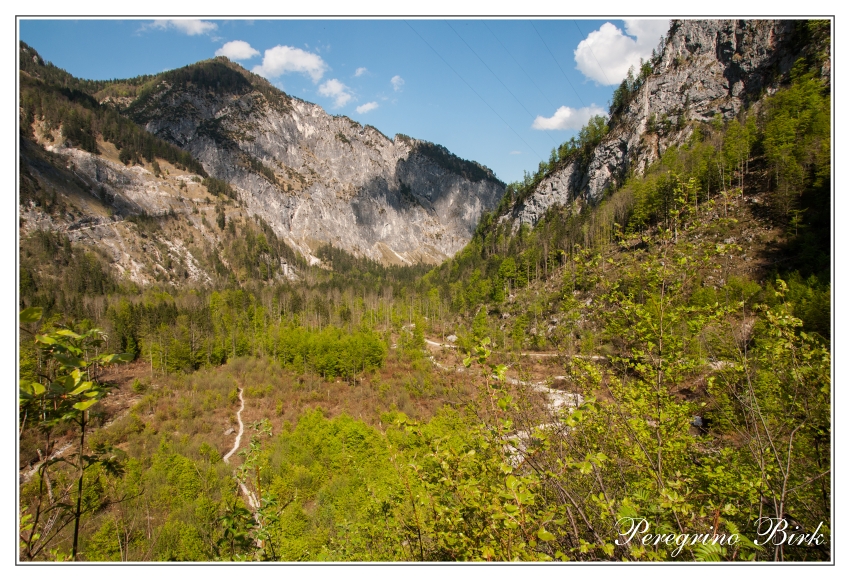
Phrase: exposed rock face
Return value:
(707, 67)
(104, 192)
(318, 178)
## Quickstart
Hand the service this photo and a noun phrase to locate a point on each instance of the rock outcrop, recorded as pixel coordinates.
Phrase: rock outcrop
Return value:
(316, 178)
(706, 68)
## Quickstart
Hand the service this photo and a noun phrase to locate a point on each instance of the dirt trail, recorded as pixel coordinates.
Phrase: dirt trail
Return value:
(249, 496)
(541, 354)
(444, 345)
(241, 429)
(557, 399)
(91, 226)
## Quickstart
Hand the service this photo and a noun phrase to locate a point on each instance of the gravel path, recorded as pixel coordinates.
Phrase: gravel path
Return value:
(252, 500)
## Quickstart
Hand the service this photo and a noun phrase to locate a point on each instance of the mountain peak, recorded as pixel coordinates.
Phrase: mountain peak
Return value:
(316, 179)
(707, 69)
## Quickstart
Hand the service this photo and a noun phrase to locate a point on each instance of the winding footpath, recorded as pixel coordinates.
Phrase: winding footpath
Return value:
(249, 496)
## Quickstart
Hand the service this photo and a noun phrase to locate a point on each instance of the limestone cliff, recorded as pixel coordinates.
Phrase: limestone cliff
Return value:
(318, 178)
(706, 68)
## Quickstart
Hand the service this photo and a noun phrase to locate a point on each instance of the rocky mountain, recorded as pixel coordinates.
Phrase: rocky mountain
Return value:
(318, 178)
(243, 149)
(148, 227)
(706, 68)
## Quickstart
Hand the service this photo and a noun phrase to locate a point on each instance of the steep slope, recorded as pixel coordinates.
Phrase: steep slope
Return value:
(151, 224)
(309, 178)
(707, 69)
(147, 208)
(314, 177)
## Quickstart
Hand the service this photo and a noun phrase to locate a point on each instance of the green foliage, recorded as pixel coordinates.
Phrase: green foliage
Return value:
(795, 126)
(626, 91)
(54, 98)
(341, 480)
(479, 325)
(700, 393)
(635, 453)
(471, 507)
(331, 353)
(71, 386)
(211, 74)
(711, 166)
(778, 394)
(217, 186)
(576, 149)
(349, 270)
(67, 387)
(448, 161)
(77, 129)
(412, 339)
(76, 272)
(82, 121)
(105, 544)
(797, 138)
(259, 167)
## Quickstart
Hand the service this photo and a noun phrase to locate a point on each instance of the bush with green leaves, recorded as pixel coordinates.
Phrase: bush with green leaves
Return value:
(67, 373)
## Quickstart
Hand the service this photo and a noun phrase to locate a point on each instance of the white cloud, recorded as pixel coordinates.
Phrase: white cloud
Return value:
(515, 152)
(567, 118)
(339, 92)
(366, 107)
(397, 83)
(287, 59)
(237, 50)
(192, 27)
(606, 54)
(360, 71)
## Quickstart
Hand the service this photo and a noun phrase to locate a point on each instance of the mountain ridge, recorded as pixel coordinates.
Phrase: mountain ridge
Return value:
(318, 178)
(706, 69)
(315, 178)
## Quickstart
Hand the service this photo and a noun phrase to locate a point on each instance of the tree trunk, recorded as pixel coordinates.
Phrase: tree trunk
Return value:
(78, 511)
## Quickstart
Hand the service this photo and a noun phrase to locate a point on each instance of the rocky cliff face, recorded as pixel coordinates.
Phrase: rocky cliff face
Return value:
(706, 68)
(100, 197)
(318, 178)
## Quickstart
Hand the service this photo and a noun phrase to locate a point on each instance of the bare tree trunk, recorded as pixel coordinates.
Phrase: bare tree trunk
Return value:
(82, 468)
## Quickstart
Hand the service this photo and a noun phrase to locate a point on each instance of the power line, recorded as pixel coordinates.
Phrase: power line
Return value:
(519, 65)
(557, 63)
(498, 79)
(471, 89)
(593, 54)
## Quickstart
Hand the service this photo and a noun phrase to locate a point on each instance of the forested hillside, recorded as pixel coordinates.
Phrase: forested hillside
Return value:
(661, 357)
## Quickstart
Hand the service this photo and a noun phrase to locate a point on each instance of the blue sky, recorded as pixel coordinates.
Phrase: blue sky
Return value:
(500, 92)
